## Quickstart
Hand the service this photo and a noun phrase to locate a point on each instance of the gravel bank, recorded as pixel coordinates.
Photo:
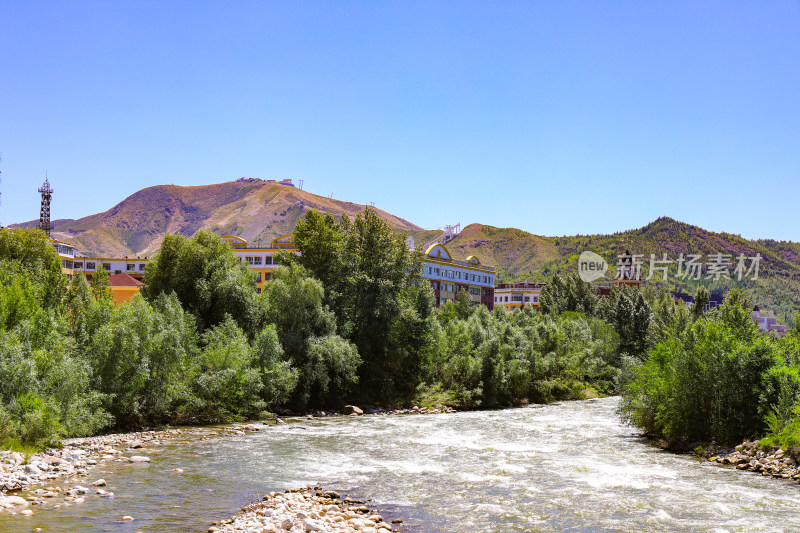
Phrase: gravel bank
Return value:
(305, 510)
(774, 462)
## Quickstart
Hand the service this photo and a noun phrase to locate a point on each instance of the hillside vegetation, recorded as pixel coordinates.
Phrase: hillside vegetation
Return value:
(523, 256)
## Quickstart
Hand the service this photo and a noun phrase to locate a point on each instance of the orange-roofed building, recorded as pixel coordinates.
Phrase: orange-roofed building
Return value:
(123, 287)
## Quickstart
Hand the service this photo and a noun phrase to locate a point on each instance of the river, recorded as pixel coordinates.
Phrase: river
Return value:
(565, 467)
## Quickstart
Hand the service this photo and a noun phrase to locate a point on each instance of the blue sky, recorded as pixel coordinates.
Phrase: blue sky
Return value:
(553, 117)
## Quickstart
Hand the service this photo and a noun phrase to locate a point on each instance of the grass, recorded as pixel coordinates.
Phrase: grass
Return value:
(15, 445)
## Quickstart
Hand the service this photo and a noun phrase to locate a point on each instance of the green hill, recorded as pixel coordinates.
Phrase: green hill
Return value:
(523, 256)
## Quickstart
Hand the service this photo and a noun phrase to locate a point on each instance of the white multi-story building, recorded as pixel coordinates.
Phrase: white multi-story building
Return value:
(448, 276)
(514, 295)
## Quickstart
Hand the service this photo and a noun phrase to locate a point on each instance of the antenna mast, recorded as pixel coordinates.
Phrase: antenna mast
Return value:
(44, 213)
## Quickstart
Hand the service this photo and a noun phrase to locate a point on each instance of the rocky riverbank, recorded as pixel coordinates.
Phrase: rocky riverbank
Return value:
(306, 510)
(60, 476)
(774, 462)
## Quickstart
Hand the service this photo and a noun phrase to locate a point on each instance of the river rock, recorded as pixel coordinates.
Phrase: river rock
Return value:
(139, 459)
(312, 525)
(99, 483)
(352, 410)
(9, 501)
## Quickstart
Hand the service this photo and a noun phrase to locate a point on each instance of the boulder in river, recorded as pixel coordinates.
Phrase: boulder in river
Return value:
(352, 410)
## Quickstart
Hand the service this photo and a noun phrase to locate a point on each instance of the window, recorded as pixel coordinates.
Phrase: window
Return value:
(436, 271)
(527, 298)
(90, 266)
(117, 272)
(506, 298)
(107, 266)
(78, 265)
(258, 290)
(66, 264)
(516, 297)
(257, 260)
(249, 260)
(130, 267)
(268, 260)
(141, 267)
(258, 277)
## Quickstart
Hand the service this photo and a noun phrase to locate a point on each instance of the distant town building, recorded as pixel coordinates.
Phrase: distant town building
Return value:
(123, 287)
(714, 299)
(767, 322)
(449, 276)
(518, 295)
(260, 260)
(66, 252)
(132, 266)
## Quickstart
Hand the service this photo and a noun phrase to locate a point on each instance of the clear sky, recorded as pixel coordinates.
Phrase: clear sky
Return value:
(553, 117)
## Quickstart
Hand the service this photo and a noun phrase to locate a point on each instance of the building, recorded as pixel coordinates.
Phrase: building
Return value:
(66, 252)
(518, 295)
(448, 276)
(123, 287)
(714, 299)
(133, 266)
(258, 259)
(767, 322)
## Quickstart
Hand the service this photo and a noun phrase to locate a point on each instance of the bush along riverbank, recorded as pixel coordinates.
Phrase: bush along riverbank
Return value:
(306, 510)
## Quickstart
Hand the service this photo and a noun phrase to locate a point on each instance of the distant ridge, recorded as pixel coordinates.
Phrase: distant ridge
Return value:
(256, 210)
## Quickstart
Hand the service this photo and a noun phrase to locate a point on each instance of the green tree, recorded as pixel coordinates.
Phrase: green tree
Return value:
(370, 279)
(29, 251)
(568, 292)
(701, 298)
(228, 384)
(208, 279)
(100, 285)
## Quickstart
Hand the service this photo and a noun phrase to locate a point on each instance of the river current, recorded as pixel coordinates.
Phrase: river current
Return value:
(564, 467)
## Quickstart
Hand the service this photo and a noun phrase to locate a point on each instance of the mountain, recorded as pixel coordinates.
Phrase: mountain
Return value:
(255, 210)
(523, 256)
(258, 211)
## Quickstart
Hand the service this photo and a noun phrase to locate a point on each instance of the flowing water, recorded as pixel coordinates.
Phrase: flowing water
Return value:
(566, 467)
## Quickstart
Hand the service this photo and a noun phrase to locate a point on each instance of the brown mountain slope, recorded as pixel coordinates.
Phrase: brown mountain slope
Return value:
(258, 211)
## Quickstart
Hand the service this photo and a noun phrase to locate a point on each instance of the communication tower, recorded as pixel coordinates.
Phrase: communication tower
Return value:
(44, 213)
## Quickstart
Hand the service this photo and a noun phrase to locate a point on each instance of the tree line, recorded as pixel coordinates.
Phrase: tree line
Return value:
(349, 320)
